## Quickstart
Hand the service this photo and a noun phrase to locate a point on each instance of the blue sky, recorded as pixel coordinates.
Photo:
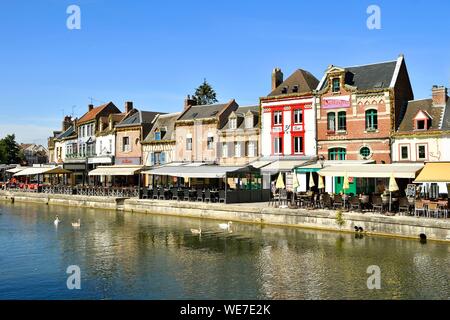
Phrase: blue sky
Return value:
(156, 52)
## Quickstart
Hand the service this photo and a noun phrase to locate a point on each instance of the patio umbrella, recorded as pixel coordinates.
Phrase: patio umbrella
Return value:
(392, 188)
(345, 185)
(311, 181)
(280, 182)
(186, 179)
(295, 183)
(321, 183)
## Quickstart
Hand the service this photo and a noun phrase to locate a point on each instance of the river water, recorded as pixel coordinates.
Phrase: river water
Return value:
(141, 256)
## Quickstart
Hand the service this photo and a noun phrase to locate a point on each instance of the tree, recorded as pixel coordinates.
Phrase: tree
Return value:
(205, 94)
(9, 150)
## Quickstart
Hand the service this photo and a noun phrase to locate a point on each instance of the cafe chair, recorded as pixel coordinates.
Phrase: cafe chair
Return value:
(174, 192)
(222, 196)
(186, 195)
(418, 208)
(377, 204)
(199, 195)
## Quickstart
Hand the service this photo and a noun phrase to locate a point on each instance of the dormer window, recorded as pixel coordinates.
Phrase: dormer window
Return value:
(295, 89)
(284, 90)
(249, 122)
(422, 121)
(157, 135)
(420, 125)
(336, 85)
(233, 123)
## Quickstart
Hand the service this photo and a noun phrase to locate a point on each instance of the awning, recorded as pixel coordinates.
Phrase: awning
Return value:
(189, 171)
(15, 170)
(32, 171)
(434, 172)
(407, 171)
(282, 166)
(116, 171)
(316, 167)
(261, 163)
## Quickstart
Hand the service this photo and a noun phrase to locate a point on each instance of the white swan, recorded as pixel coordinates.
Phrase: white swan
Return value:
(76, 224)
(57, 221)
(225, 226)
(196, 231)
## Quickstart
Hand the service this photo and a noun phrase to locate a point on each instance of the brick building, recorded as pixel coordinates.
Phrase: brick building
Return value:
(359, 108)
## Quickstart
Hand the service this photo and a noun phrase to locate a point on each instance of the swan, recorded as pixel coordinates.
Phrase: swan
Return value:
(196, 231)
(225, 226)
(76, 224)
(57, 221)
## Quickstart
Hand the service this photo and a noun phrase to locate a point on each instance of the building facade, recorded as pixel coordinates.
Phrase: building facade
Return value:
(197, 131)
(359, 108)
(239, 137)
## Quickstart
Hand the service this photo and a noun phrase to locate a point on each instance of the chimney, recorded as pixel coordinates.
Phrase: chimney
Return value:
(90, 107)
(189, 102)
(128, 106)
(440, 97)
(67, 122)
(277, 78)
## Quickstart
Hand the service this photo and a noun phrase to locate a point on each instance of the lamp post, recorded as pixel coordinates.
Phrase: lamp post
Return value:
(321, 161)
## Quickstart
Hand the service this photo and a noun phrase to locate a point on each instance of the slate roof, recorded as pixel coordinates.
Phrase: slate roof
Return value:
(426, 105)
(69, 132)
(240, 113)
(371, 76)
(203, 112)
(138, 118)
(446, 117)
(302, 79)
(167, 122)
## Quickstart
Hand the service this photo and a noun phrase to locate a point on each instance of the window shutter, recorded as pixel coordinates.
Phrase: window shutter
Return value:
(243, 151)
(255, 146)
(152, 159)
(230, 149)
(163, 157)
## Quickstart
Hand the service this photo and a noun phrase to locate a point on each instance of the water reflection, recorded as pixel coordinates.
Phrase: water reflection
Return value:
(138, 256)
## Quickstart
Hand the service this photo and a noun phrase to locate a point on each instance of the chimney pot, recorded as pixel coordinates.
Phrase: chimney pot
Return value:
(90, 107)
(189, 102)
(439, 96)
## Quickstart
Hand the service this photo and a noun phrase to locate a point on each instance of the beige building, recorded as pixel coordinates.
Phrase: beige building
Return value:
(197, 132)
(239, 137)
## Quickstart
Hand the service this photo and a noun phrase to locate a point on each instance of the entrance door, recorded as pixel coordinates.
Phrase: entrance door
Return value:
(339, 183)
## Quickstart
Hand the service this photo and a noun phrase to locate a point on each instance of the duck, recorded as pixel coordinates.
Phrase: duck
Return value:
(360, 229)
(356, 229)
(76, 224)
(225, 226)
(57, 221)
(196, 231)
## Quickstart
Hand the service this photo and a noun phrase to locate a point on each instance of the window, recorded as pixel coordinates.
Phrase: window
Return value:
(126, 147)
(237, 149)
(210, 143)
(277, 118)
(101, 146)
(110, 146)
(277, 145)
(250, 148)
(298, 116)
(337, 154)
(188, 144)
(404, 153)
(224, 150)
(336, 85)
(342, 121)
(421, 152)
(249, 122)
(365, 152)
(420, 125)
(233, 123)
(158, 158)
(157, 135)
(371, 120)
(298, 145)
(331, 122)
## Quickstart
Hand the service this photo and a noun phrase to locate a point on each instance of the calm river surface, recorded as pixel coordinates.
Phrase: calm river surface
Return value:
(138, 256)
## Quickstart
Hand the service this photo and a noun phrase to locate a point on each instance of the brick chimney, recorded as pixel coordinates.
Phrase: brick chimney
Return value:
(128, 106)
(67, 122)
(440, 97)
(90, 107)
(189, 102)
(277, 78)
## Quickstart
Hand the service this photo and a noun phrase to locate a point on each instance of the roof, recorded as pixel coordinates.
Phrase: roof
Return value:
(446, 117)
(67, 133)
(370, 76)
(164, 121)
(398, 170)
(90, 115)
(203, 112)
(241, 112)
(302, 79)
(434, 172)
(413, 107)
(138, 118)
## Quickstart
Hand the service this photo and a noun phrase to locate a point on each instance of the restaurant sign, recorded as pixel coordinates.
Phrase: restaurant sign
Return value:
(336, 102)
(128, 161)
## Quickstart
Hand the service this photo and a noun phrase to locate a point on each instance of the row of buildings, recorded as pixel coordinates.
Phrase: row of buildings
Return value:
(361, 113)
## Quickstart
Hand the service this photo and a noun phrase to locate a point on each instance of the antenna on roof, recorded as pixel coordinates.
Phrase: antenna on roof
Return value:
(73, 108)
(93, 99)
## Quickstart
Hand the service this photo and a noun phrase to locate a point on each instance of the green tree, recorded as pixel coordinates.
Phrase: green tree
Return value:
(205, 94)
(9, 150)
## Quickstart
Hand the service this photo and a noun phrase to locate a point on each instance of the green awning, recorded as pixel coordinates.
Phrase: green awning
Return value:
(306, 170)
